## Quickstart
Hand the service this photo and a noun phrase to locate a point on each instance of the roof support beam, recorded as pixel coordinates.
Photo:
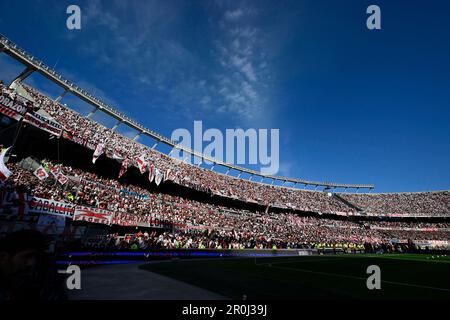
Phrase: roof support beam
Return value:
(58, 99)
(25, 74)
(116, 125)
(92, 113)
(137, 136)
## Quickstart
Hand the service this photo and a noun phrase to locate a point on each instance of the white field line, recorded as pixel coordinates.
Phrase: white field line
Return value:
(358, 278)
(331, 258)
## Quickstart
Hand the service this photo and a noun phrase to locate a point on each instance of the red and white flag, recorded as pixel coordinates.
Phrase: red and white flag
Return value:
(62, 178)
(151, 173)
(169, 175)
(124, 167)
(117, 156)
(158, 177)
(142, 163)
(99, 150)
(4, 171)
(40, 173)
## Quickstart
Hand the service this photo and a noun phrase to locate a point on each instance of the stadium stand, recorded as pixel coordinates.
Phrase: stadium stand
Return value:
(285, 217)
(92, 134)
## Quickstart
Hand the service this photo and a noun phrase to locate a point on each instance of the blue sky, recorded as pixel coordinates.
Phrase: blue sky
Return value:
(352, 105)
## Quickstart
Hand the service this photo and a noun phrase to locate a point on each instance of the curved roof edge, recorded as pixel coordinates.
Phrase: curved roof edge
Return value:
(34, 64)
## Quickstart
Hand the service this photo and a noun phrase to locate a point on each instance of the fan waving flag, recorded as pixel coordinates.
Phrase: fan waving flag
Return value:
(151, 173)
(99, 150)
(142, 163)
(124, 167)
(4, 171)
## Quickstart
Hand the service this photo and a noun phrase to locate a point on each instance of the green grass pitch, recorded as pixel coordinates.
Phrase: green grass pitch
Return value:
(403, 276)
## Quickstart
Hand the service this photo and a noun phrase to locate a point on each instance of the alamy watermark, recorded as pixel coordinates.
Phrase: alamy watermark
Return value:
(73, 21)
(374, 20)
(374, 280)
(73, 281)
(235, 146)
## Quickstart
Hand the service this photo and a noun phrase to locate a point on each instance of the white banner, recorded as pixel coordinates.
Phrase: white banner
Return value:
(93, 215)
(43, 123)
(46, 206)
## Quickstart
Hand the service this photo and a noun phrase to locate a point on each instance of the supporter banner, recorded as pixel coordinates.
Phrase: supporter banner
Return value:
(132, 220)
(93, 215)
(153, 221)
(10, 113)
(125, 219)
(40, 173)
(11, 108)
(62, 179)
(43, 123)
(432, 243)
(59, 176)
(39, 205)
(54, 171)
(134, 194)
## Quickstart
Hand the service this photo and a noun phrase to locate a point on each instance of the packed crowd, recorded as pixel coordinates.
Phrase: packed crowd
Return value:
(214, 239)
(211, 226)
(120, 147)
(419, 203)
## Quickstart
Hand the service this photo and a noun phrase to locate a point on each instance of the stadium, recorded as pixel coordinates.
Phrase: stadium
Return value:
(131, 215)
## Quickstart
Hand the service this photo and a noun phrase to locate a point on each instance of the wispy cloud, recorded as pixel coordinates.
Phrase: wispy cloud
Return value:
(224, 73)
(242, 77)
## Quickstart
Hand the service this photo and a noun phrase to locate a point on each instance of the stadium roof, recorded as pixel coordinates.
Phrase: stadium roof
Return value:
(33, 64)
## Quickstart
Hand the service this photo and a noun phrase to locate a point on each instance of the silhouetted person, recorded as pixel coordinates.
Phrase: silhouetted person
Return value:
(26, 271)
